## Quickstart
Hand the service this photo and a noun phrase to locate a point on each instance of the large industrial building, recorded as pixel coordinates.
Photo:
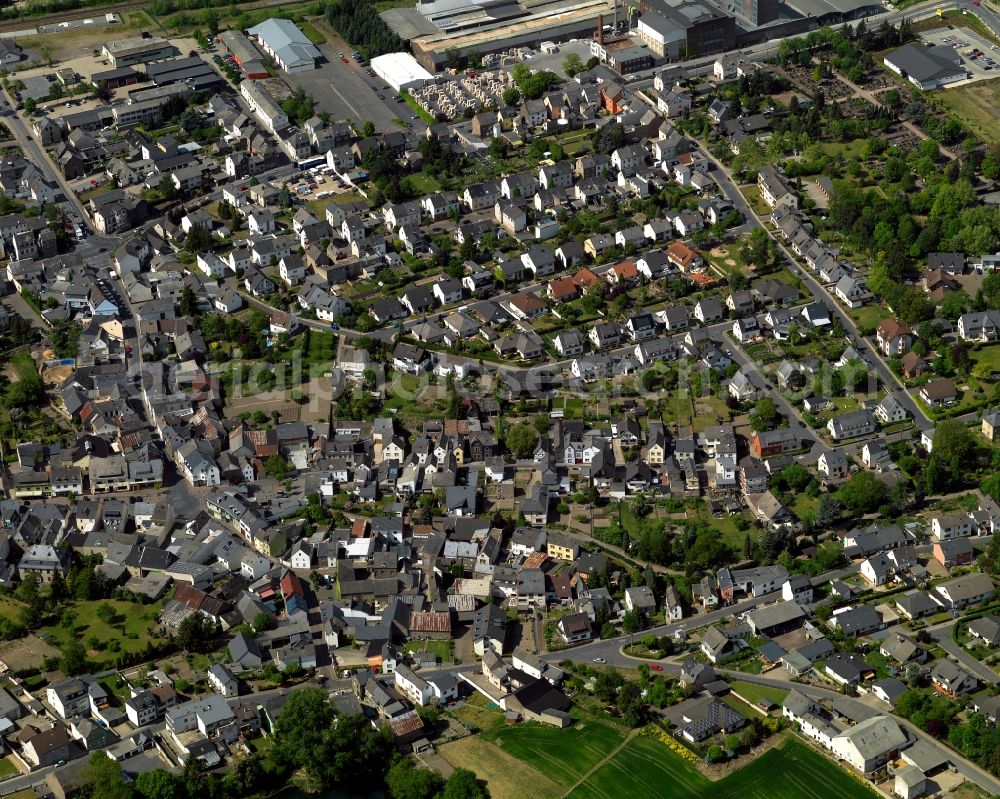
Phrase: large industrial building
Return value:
(193, 71)
(676, 29)
(286, 44)
(438, 28)
(669, 29)
(139, 50)
(401, 71)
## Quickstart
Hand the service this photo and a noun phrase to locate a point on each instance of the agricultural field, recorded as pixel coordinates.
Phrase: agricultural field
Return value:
(506, 776)
(563, 755)
(645, 767)
(596, 760)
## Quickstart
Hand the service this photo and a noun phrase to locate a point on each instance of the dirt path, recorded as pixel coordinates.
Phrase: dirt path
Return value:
(607, 757)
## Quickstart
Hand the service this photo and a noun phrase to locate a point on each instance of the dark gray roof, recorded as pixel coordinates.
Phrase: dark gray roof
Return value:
(925, 64)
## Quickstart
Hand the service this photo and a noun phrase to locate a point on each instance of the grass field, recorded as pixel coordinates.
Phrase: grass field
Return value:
(645, 767)
(754, 693)
(423, 184)
(989, 355)
(506, 776)
(7, 768)
(847, 149)
(869, 316)
(563, 755)
(130, 628)
(974, 105)
(11, 608)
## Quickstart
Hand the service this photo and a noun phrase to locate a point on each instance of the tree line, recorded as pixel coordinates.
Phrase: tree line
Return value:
(360, 24)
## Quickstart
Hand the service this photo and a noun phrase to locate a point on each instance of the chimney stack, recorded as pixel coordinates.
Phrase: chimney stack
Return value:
(600, 28)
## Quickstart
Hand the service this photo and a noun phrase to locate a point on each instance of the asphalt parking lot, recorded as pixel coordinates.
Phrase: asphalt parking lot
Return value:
(980, 56)
(345, 91)
(554, 61)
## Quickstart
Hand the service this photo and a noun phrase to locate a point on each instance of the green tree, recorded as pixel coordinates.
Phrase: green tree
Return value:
(74, 657)
(631, 622)
(195, 633)
(331, 749)
(572, 64)
(159, 784)
(106, 613)
(511, 95)
(189, 120)
(405, 781)
(261, 622)
(103, 778)
(765, 414)
(863, 493)
(953, 441)
(277, 467)
(188, 303)
(462, 784)
(198, 240)
(521, 439)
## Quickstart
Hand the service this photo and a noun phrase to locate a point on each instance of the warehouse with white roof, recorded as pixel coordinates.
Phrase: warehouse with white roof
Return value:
(286, 44)
(401, 71)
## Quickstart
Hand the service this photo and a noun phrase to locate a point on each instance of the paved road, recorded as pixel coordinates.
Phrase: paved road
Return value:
(870, 354)
(35, 153)
(942, 635)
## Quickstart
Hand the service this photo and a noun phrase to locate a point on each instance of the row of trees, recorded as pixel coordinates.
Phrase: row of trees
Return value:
(360, 24)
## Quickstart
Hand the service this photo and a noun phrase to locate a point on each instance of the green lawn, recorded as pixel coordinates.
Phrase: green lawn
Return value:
(322, 347)
(562, 755)
(803, 505)
(311, 33)
(990, 355)
(7, 768)
(732, 536)
(869, 316)
(756, 202)
(754, 693)
(645, 767)
(443, 649)
(423, 184)
(11, 608)
(23, 364)
(848, 149)
(410, 101)
(130, 629)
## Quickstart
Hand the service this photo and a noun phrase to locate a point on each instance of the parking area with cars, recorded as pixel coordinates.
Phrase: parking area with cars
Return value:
(979, 55)
(345, 87)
